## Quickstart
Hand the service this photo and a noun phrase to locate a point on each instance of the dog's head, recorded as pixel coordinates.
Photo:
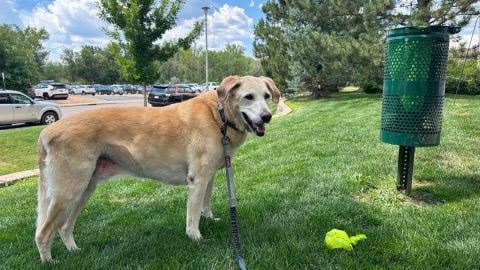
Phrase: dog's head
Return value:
(245, 101)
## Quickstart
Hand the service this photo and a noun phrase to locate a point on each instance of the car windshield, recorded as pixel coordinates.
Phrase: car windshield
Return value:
(58, 85)
(158, 89)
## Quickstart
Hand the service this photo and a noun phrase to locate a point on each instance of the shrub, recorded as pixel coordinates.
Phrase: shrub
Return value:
(370, 87)
(469, 83)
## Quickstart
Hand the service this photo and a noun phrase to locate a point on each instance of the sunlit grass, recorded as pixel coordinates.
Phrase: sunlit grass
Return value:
(321, 167)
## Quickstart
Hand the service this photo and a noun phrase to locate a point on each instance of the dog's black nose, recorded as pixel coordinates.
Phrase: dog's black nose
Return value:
(266, 117)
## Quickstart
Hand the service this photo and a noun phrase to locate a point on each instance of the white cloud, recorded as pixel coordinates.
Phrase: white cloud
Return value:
(71, 24)
(252, 3)
(226, 25)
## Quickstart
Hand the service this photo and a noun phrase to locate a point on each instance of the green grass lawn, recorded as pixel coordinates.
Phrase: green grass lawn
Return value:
(18, 149)
(318, 168)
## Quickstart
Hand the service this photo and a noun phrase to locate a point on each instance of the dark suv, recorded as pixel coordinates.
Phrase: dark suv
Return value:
(162, 95)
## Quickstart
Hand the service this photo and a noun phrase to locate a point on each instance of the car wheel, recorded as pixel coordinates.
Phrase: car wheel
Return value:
(49, 118)
(93, 94)
(46, 96)
(83, 93)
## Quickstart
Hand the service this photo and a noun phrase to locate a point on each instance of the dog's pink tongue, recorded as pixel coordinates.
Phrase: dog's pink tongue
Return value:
(259, 129)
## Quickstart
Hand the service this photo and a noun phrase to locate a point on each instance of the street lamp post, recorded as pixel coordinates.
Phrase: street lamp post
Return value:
(205, 9)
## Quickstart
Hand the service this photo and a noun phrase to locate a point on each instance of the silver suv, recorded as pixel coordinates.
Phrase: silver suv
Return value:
(51, 90)
(16, 107)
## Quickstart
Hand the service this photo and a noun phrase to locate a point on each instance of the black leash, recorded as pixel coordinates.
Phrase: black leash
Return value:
(231, 187)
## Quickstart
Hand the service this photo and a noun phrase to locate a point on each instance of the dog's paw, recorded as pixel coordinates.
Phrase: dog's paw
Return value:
(73, 248)
(195, 235)
(208, 215)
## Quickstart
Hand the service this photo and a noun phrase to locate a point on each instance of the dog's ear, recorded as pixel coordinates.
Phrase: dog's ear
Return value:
(272, 88)
(228, 84)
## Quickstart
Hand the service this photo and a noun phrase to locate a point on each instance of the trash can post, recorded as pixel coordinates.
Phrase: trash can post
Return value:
(406, 156)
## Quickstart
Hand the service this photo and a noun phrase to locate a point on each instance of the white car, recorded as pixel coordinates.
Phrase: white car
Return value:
(16, 107)
(210, 86)
(51, 90)
(83, 90)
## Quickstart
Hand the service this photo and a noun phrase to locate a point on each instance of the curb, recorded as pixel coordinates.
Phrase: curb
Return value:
(10, 179)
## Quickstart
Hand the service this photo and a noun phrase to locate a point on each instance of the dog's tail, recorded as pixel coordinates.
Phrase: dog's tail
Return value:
(42, 184)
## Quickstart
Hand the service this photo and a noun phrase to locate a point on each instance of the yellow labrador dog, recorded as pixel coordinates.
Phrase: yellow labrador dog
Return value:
(177, 144)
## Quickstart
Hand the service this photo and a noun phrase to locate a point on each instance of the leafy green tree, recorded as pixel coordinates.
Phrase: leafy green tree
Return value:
(55, 71)
(188, 65)
(230, 61)
(22, 56)
(110, 68)
(69, 59)
(138, 27)
(91, 65)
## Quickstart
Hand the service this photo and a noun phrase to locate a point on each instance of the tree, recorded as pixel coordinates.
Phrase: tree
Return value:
(138, 27)
(188, 65)
(325, 44)
(91, 65)
(55, 71)
(270, 45)
(21, 55)
(69, 59)
(334, 42)
(429, 12)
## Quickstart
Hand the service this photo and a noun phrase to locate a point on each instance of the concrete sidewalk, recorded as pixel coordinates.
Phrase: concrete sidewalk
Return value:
(10, 179)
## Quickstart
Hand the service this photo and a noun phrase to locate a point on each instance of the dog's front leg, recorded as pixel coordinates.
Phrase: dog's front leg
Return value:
(207, 201)
(197, 187)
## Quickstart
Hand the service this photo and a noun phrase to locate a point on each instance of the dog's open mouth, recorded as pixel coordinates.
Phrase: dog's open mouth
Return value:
(258, 128)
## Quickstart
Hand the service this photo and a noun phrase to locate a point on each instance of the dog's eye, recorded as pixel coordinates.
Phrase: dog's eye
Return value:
(267, 96)
(249, 97)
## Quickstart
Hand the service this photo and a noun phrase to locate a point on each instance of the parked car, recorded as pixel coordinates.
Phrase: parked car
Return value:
(117, 89)
(196, 87)
(162, 95)
(210, 86)
(82, 90)
(16, 107)
(103, 89)
(129, 89)
(51, 90)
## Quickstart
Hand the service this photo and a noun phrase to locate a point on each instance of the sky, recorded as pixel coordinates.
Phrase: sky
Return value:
(75, 23)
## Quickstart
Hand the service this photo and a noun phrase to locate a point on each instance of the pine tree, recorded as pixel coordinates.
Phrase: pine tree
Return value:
(270, 45)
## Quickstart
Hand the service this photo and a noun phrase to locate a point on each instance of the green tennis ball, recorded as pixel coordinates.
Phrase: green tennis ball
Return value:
(340, 239)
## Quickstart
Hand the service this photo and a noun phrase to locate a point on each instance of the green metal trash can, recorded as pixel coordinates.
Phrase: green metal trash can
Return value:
(413, 92)
(414, 85)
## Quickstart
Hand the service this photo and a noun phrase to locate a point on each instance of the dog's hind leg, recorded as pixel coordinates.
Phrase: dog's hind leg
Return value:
(66, 231)
(64, 192)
